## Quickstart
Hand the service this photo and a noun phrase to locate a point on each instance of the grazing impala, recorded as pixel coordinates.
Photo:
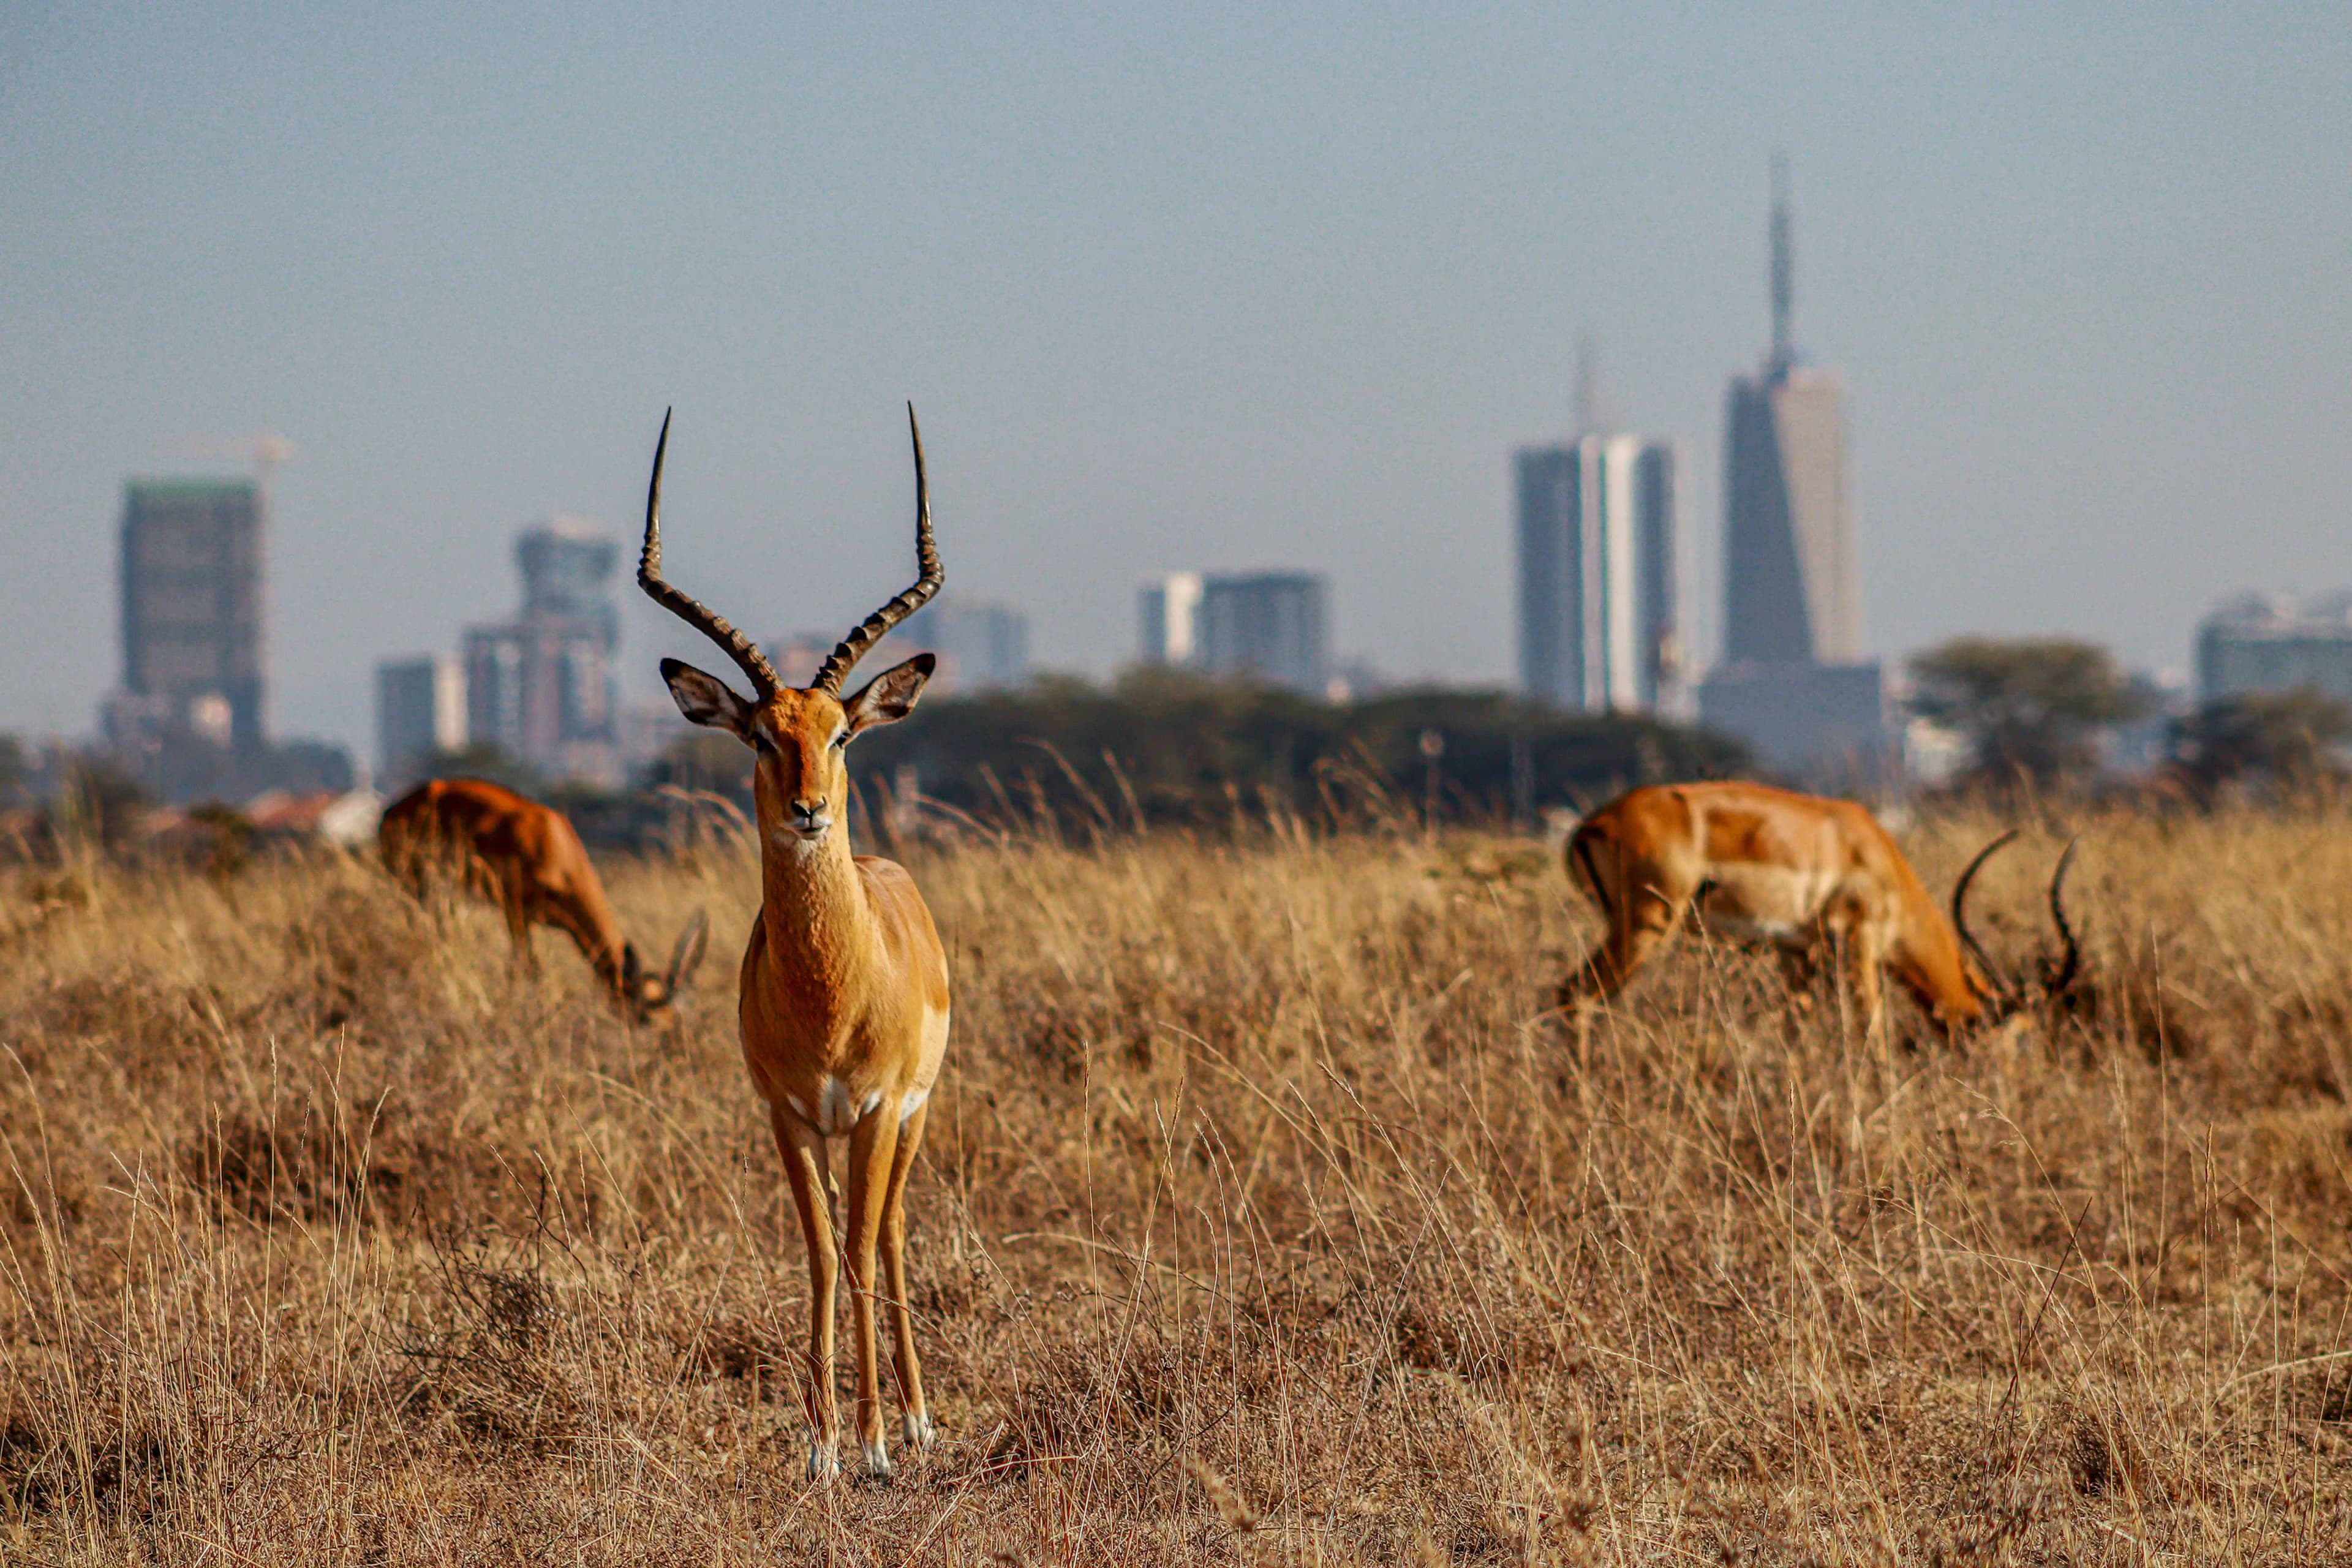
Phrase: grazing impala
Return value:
(1800, 873)
(844, 987)
(526, 857)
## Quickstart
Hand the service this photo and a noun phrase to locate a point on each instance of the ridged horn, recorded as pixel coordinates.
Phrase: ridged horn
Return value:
(1960, 916)
(2062, 975)
(746, 653)
(930, 576)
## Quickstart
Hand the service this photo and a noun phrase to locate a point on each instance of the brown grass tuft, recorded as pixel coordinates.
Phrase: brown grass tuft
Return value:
(1259, 1220)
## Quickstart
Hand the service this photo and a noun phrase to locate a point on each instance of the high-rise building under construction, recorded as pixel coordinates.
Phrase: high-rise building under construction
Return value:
(192, 609)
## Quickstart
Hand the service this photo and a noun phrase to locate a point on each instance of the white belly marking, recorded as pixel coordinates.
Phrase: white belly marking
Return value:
(834, 1118)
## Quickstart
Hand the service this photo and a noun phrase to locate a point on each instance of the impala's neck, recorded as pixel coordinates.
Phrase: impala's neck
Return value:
(1931, 961)
(813, 906)
(588, 921)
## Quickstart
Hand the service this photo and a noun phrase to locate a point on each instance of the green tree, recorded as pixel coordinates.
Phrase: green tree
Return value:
(2284, 738)
(99, 800)
(2031, 708)
(12, 770)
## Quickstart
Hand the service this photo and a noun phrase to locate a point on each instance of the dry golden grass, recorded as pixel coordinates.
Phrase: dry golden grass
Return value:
(1257, 1224)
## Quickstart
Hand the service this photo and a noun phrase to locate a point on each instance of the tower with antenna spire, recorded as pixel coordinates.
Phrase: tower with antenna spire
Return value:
(1792, 588)
(1793, 681)
(1784, 262)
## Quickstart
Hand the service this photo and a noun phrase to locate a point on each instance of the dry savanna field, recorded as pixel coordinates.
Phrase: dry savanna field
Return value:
(1260, 1221)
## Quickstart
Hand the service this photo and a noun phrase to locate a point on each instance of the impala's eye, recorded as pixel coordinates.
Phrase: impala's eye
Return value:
(841, 740)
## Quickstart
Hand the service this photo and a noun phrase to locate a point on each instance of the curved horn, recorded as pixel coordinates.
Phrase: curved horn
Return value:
(2071, 960)
(692, 611)
(1960, 915)
(851, 648)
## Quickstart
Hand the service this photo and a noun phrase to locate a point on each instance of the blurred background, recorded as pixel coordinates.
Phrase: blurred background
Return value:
(1905, 397)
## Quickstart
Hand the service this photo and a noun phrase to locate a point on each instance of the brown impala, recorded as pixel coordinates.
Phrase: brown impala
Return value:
(525, 856)
(844, 988)
(1802, 873)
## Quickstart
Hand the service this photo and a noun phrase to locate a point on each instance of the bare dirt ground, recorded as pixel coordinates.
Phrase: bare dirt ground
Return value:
(1258, 1223)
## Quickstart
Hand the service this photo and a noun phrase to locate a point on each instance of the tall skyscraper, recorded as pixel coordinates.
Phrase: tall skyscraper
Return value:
(192, 609)
(1793, 682)
(420, 709)
(539, 688)
(1792, 589)
(1599, 593)
(1167, 613)
(1267, 625)
(1270, 626)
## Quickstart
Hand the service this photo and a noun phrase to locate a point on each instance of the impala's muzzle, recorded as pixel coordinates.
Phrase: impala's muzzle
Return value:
(807, 818)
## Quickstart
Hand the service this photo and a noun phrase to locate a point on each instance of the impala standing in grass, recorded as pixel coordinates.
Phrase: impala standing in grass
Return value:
(526, 857)
(844, 987)
(1808, 876)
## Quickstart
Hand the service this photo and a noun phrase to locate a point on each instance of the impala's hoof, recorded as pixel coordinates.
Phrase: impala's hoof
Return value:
(824, 1464)
(877, 1463)
(917, 1430)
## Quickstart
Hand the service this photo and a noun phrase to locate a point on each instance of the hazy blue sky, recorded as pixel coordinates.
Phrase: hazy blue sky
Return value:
(1196, 285)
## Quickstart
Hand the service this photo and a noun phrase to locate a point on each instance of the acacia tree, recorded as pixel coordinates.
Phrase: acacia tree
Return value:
(2031, 708)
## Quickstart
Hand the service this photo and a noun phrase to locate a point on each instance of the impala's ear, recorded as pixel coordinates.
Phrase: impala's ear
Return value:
(891, 696)
(705, 700)
(686, 956)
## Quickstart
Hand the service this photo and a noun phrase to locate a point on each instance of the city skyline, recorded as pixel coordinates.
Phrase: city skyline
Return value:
(2053, 274)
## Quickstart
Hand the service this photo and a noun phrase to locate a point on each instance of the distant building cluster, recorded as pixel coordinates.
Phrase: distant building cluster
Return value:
(1269, 626)
(2271, 642)
(542, 690)
(539, 688)
(981, 647)
(1600, 622)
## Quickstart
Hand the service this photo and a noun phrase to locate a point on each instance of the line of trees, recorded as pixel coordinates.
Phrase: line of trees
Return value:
(1164, 746)
(2032, 711)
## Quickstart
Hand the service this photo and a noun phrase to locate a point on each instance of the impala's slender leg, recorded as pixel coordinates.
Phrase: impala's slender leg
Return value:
(1863, 958)
(803, 1148)
(510, 899)
(1647, 919)
(1859, 955)
(1799, 970)
(872, 1149)
(915, 1429)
